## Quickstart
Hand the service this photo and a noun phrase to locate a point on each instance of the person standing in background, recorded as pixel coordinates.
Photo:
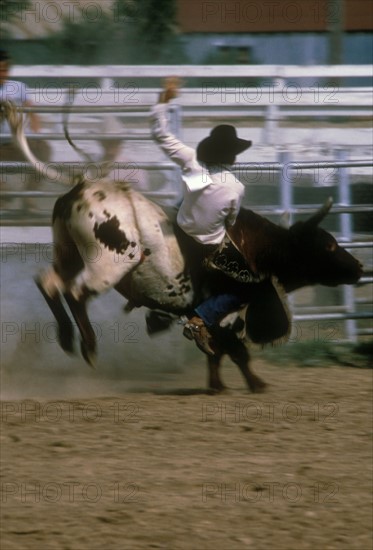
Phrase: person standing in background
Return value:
(15, 91)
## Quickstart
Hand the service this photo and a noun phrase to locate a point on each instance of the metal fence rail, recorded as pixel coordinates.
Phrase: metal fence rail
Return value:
(273, 72)
(224, 90)
(270, 106)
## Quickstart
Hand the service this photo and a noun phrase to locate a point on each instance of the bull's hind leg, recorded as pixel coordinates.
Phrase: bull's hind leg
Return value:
(52, 282)
(65, 327)
(100, 273)
(88, 337)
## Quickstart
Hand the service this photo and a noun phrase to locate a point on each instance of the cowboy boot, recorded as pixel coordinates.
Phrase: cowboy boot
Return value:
(195, 329)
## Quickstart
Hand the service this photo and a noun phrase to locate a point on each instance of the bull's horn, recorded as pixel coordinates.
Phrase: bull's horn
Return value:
(14, 117)
(317, 218)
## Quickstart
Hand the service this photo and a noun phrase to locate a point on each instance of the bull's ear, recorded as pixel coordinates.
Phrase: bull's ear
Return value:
(317, 218)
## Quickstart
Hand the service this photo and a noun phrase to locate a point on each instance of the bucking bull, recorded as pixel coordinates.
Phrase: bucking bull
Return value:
(139, 254)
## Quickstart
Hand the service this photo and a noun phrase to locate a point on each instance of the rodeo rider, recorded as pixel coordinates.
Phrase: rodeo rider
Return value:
(212, 197)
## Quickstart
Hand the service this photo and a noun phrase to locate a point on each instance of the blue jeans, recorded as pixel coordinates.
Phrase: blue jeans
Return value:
(216, 307)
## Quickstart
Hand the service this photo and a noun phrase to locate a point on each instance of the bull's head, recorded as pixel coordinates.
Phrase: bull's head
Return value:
(321, 259)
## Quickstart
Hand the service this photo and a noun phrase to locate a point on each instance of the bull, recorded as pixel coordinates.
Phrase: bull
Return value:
(138, 254)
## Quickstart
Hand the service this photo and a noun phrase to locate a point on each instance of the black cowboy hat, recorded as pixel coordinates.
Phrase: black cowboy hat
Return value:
(221, 144)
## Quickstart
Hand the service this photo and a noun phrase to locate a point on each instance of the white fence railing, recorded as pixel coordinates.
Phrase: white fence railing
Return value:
(225, 90)
(193, 71)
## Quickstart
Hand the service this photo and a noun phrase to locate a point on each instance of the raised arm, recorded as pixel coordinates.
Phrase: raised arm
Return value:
(177, 151)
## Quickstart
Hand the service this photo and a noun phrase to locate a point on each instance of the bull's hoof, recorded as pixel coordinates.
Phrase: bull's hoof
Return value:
(257, 385)
(214, 392)
(66, 338)
(89, 354)
(217, 388)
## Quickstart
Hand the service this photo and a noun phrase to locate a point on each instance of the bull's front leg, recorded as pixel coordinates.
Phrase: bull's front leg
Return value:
(241, 356)
(214, 381)
(229, 343)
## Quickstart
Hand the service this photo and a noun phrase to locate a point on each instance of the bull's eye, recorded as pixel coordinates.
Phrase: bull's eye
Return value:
(331, 247)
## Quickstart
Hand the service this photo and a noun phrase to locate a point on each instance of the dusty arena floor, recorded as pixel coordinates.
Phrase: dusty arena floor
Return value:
(166, 465)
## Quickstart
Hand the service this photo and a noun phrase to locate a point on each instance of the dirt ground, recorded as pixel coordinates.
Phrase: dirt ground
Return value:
(165, 465)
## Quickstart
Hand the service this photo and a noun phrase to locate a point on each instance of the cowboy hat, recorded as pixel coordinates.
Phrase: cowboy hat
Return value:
(221, 143)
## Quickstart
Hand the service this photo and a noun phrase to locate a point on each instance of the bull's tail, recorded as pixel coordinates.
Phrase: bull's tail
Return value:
(65, 119)
(104, 167)
(14, 117)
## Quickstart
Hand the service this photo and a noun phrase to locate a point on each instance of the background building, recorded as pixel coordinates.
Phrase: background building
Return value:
(305, 32)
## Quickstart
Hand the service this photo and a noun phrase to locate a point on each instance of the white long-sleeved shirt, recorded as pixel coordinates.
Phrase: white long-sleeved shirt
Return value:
(212, 197)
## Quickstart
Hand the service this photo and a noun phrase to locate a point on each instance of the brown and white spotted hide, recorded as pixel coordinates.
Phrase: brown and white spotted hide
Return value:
(118, 232)
(161, 276)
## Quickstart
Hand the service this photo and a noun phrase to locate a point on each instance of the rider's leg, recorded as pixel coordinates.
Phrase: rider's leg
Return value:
(216, 307)
(208, 314)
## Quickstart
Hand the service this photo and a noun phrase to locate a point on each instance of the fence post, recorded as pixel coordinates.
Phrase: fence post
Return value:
(344, 199)
(286, 183)
(176, 122)
(272, 117)
(106, 84)
(286, 193)
(344, 196)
